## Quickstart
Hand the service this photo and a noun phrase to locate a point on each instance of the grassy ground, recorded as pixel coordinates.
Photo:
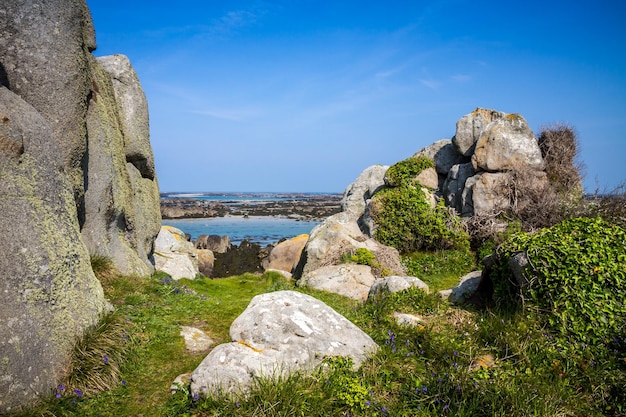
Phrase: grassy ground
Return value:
(458, 362)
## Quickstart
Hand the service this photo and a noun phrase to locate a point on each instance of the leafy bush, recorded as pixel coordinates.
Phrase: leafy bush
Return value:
(407, 222)
(404, 172)
(576, 277)
(361, 256)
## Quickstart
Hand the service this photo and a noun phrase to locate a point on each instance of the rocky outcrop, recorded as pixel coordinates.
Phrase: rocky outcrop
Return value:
(475, 167)
(48, 293)
(321, 265)
(122, 215)
(279, 333)
(66, 142)
(174, 254)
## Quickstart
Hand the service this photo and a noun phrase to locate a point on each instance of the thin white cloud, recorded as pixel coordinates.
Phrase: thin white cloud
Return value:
(233, 115)
(430, 83)
(461, 78)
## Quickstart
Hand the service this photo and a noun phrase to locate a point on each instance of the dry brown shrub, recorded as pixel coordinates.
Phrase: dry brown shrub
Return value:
(559, 148)
(610, 206)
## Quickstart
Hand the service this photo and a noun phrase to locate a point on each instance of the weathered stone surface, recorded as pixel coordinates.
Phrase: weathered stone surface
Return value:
(470, 127)
(395, 284)
(117, 221)
(48, 293)
(196, 341)
(518, 263)
(455, 184)
(362, 189)
(174, 255)
(206, 262)
(428, 178)
(278, 333)
(444, 154)
(468, 285)
(286, 255)
(214, 243)
(144, 206)
(351, 280)
(485, 194)
(45, 51)
(133, 111)
(506, 144)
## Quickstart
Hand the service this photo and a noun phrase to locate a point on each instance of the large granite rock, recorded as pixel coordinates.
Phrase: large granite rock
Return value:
(122, 215)
(470, 127)
(351, 280)
(507, 144)
(143, 209)
(279, 333)
(174, 254)
(396, 284)
(64, 165)
(48, 293)
(286, 254)
(44, 49)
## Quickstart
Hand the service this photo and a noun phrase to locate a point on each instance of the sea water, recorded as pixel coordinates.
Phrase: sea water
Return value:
(264, 230)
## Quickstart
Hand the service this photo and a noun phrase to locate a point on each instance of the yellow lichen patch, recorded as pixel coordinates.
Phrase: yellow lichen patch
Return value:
(242, 343)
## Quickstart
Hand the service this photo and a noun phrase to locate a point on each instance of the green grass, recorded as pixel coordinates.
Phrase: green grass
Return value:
(440, 269)
(429, 370)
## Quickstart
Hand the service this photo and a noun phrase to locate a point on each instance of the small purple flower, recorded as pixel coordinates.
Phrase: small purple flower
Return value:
(58, 395)
(445, 407)
(367, 403)
(424, 389)
(237, 405)
(106, 359)
(78, 393)
(61, 387)
(455, 353)
(196, 397)
(384, 409)
(422, 352)
(124, 382)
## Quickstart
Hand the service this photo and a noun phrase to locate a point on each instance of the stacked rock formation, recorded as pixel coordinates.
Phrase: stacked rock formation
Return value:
(76, 179)
(474, 166)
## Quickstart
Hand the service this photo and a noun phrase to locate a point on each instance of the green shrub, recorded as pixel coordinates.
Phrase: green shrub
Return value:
(407, 222)
(361, 256)
(404, 172)
(576, 278)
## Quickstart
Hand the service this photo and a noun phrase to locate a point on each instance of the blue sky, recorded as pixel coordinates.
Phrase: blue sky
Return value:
(299, 95)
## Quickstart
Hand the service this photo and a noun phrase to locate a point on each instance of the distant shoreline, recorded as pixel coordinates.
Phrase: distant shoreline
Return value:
(297, 205)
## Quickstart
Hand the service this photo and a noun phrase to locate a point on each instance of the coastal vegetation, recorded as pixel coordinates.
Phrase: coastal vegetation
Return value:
(539, 357)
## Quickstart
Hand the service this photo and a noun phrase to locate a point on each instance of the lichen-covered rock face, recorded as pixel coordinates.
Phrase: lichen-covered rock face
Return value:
(45, 58)
(279, 333)
(122, 213)
(48, 293)
(64, 164)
